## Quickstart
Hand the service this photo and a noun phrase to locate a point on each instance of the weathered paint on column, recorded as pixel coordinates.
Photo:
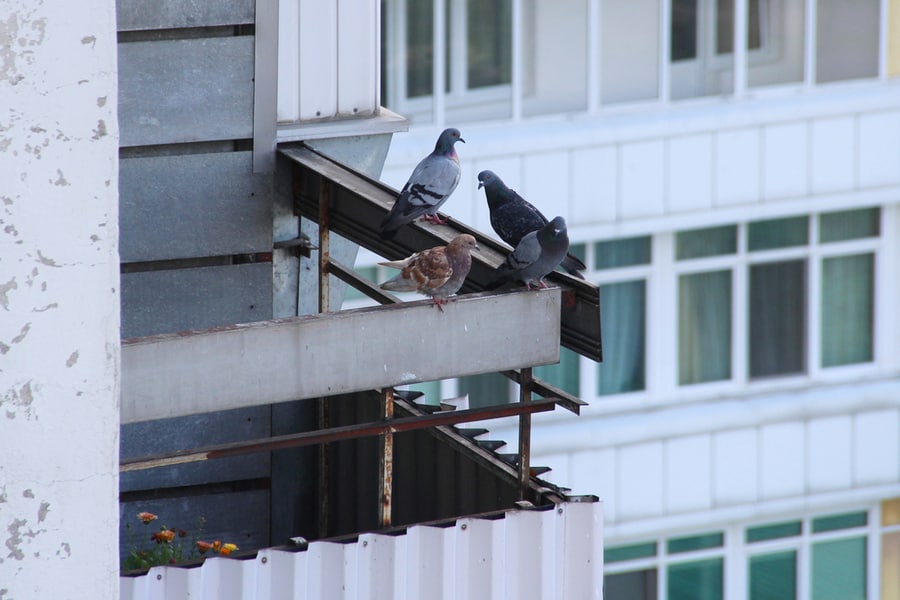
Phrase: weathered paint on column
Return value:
(59, 300)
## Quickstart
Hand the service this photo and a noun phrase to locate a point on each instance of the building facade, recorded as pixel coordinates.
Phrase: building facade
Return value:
(730, 172)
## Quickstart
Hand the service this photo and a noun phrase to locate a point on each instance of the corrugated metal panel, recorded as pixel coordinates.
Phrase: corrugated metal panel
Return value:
(552, 554)
(328, 59)
(173, 91)
(192, 205)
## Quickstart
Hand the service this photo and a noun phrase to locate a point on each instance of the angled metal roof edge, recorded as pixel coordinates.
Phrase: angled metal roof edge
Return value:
(581, 299)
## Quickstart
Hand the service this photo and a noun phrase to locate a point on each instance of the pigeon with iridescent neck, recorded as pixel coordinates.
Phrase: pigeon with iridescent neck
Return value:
(429, 186)
(512, 217)
(538, 253)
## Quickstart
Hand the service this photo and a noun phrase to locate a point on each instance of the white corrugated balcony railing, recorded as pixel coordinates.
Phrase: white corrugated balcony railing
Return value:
(546, 554)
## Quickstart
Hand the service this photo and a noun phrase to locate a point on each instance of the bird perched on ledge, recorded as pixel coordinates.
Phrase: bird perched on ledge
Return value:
(429, 186)
(512, 217)
(438, 272)
(538, 253)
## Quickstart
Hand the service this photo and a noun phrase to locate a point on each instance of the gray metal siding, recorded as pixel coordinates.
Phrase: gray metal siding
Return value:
(135, 15)
(193, 205)
(188, 90)
(183, 299)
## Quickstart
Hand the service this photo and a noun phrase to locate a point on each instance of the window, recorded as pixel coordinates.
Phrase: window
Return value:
(789, 273)
(838, 22)
(613, 52)
(827, 553)
(476, 58)
(621, 271)
(694, 569)
(476, 52)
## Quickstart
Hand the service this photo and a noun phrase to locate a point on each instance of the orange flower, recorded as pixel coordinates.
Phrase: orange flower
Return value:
(203, 547)
(166, 535)
(216, 546)
(227, 549)
(146, 517)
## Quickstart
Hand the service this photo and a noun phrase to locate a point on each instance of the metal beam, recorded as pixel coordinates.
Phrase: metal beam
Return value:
(334, 434)
(267, 362)
(359, 203)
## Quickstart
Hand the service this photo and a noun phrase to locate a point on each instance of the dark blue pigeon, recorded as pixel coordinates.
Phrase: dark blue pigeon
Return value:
(429, 186)
(512, 217)
(536, 254)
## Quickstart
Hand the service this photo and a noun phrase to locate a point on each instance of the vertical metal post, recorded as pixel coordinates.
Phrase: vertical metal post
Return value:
(324, 306)
(386, 462)
(324, 246)
(524, 435)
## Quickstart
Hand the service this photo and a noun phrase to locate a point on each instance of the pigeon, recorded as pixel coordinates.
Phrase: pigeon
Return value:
(512, 217)
(429, 186)
(538, 253)
(438, 272)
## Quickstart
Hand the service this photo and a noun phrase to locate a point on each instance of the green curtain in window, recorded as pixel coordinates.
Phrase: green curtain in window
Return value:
(839, 570)
(773, 576)
(704, 327)
(847, 309)
(485, 390)
(564, 375)
(622, 313)
(698, 580)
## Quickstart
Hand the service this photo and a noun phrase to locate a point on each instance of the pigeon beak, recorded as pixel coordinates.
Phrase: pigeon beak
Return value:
(480, 184)
(462, 140)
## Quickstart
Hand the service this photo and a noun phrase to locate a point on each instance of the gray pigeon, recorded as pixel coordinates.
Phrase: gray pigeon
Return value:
(512, 217)
(538, 253)
(429, 186)
(438, 272)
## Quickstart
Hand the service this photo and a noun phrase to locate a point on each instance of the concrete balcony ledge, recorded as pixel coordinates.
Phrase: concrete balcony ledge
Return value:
(268, 362)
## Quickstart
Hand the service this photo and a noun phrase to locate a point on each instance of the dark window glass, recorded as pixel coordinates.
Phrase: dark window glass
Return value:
(684, 30)
(777, 331)
(779, 233)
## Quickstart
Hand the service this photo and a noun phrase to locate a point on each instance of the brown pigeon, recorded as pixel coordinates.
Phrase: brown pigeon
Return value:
(438, 272)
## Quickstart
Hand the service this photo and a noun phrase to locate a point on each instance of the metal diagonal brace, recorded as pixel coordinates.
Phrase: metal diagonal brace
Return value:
(334, 434)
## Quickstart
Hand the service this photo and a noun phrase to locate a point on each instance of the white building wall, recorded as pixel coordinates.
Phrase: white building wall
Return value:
(694, 463)
(690, 165)
(59, 301)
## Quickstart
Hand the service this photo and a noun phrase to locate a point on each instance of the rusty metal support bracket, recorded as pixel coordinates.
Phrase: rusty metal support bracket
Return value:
(524, 434)
(386, 462)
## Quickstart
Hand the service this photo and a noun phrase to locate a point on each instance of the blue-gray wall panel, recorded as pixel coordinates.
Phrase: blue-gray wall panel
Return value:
(191, 206)
(182, 299)
(133, 15)
(173, 91)
(168, 435)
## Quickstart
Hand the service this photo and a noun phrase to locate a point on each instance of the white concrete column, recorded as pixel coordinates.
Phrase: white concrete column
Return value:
(59, 300)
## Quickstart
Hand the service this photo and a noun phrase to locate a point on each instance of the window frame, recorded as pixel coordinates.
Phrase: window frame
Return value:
(737, 552)
(459, 96)
(740, 263)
